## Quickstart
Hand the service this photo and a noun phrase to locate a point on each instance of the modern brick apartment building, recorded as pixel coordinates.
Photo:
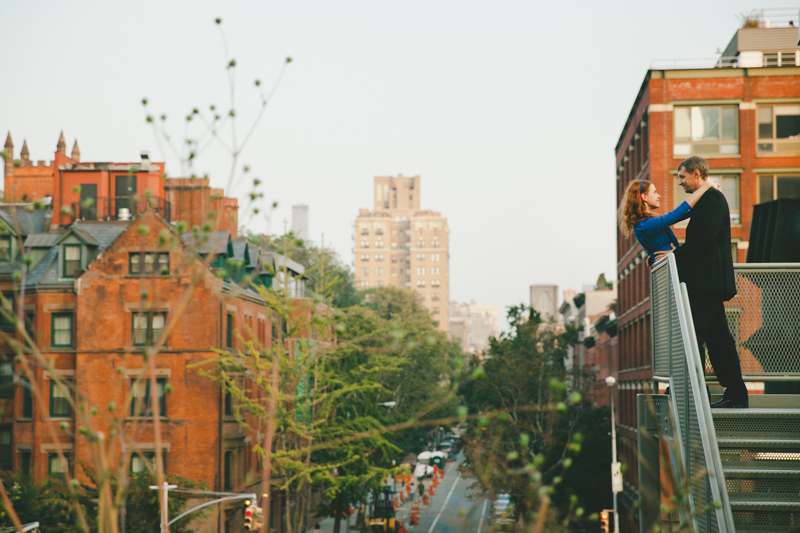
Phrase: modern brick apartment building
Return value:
(742, 114)
(397, 244)
(99, 289)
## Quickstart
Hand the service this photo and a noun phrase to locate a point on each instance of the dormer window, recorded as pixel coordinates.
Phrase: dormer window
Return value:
(72, 260)
(5, 248)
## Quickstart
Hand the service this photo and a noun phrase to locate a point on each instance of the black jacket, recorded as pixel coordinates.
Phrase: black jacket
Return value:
(704, 260)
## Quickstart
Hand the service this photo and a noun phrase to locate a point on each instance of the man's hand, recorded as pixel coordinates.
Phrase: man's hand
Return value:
(663, 253)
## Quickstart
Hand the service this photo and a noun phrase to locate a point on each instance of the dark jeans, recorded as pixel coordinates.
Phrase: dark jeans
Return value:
(711, 328)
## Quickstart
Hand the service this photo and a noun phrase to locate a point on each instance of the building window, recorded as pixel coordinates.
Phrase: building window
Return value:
(420, 244)
(435, 310)
(147, 327)
(55, 467)
(364, 230)
(365, 284)
(59, 399)
(435, 257)
(6, 378)
(72, 260)
(394, 245)
(706, 130)
(435, 296)
(420, 271)
(25, 463)
(365, 257)
(5, 248)
(144, 461)
(435, 232)
(379, 271)
(435, 271)
(394, 257)
(408, 245)
(420, 257)
(27, 399)
(379, 257)
(365, 244)
(778, 129)
(141, 402)
(365, 272)
(61, 330)
(154, 263)
(394, 232)
(5, 448)
(227, 484)
(394, 272)
(378, 244)
(420, 283)
(379, 283)
(421, 297)
(379, 231)
(435, 244)
(730, 188)
(778, 187)
(229, 330)
(228, 403)
(435, 283)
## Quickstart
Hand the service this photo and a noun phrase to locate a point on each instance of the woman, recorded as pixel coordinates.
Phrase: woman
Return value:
(652, 232)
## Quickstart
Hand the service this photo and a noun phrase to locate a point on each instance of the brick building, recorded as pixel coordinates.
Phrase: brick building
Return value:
(742, 114)
(397, 244)
(99, 290)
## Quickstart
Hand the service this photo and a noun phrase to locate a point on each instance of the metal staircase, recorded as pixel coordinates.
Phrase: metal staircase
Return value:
(722, 470)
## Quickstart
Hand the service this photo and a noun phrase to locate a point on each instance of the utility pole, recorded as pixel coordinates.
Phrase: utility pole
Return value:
(164, 490)
(616, 471)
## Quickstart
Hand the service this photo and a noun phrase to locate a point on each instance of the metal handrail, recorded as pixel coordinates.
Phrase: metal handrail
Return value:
(109, 207)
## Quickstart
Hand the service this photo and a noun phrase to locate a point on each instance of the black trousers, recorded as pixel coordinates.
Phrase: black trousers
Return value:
(711, 328)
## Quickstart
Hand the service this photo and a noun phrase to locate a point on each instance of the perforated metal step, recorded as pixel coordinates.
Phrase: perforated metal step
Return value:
(757, 423)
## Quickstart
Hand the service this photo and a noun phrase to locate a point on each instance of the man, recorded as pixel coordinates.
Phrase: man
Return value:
(705, 265)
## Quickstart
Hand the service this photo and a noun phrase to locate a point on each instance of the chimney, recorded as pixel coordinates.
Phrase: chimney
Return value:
(76, 153)
(9, 166)
(145, 160)
(61, 147)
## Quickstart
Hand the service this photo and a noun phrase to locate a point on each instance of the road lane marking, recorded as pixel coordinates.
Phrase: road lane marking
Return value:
(445, 503)
(483, 513)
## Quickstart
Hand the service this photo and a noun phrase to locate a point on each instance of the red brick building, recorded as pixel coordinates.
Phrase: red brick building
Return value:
(742, 114)
(99, 290)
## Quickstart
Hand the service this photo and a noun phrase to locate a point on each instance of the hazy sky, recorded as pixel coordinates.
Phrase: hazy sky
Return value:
(508, 110)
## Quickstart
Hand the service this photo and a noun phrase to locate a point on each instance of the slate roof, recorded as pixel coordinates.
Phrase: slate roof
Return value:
(102, 233)
(218, 238)
(42, 240)
(45, 272)
(29, 222)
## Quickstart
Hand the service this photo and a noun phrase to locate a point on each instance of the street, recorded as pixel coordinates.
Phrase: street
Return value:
(451, 510)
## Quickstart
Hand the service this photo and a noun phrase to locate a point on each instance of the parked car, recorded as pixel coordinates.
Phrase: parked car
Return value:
(503, 510)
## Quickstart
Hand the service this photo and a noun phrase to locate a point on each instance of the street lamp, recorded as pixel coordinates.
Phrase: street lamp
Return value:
(616, 472)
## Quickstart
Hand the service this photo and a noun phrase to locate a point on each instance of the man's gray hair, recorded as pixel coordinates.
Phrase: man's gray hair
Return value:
(690, 164)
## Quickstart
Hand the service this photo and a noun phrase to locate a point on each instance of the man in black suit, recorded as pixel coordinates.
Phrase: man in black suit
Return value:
(705, 265)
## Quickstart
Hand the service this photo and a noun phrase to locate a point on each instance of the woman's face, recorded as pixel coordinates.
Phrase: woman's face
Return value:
(652, 198)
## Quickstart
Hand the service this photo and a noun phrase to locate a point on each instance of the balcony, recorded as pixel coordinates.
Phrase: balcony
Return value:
(113, 207)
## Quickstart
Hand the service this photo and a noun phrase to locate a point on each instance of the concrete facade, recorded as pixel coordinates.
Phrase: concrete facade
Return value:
(397, 244)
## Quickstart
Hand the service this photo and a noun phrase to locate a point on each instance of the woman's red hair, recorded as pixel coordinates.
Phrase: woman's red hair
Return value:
(632, 210)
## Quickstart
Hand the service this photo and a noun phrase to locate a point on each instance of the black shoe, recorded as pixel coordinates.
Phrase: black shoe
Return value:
(731, 404)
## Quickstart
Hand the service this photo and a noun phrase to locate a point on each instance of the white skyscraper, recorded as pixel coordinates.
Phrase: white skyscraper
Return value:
(300, 221)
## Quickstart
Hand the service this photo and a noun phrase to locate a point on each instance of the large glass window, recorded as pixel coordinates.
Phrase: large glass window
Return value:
(730, 188)
(59, 399)
(27, 399)
(61, 330)
(705, 130)
(147, 327)
(777, 187)
(778, 129)
(55, 467)
(142, 461)
(6, 378)
(141, 404)
(72, 260)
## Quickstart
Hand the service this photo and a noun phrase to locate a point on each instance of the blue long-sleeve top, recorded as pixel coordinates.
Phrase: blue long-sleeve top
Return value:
(654, 234)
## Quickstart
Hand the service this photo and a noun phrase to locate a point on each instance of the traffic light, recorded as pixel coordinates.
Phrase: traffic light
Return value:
(607, 521)
(252, 516)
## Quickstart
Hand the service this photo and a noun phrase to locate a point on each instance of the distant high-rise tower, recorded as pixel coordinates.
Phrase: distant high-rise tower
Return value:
(544, 299)
(400, 245)
(300, 221)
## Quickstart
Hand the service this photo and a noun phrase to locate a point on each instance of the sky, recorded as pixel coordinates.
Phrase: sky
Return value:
(508, 110)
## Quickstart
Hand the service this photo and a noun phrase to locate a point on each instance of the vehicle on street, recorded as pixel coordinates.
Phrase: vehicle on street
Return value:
(423, 471)
(503, 511)
(381, 513)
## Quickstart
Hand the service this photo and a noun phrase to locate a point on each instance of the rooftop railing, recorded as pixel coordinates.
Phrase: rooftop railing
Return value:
(118, 207)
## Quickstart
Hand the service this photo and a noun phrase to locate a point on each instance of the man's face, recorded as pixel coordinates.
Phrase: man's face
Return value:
(689, 182)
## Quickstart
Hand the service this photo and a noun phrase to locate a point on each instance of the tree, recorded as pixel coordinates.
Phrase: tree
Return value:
(528, 442)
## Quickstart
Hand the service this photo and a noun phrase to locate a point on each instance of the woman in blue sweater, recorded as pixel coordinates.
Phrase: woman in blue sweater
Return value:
(653, 232)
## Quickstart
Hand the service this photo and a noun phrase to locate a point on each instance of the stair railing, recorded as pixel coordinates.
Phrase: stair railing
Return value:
(676, 360)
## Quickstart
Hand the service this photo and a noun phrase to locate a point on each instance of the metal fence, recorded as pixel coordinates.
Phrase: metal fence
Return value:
(676, 361)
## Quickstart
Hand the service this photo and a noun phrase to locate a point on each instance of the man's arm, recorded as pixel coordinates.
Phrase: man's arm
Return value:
(706, 225)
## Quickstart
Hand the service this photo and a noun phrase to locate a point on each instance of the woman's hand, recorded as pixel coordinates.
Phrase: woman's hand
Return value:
(663, 253)
(712, 185)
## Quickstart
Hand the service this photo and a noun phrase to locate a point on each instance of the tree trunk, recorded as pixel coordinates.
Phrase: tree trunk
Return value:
(266, 481)
(337, 522)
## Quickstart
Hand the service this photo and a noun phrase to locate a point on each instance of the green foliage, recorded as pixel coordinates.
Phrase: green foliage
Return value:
(528, 442)
(142, 510)
(48, 502)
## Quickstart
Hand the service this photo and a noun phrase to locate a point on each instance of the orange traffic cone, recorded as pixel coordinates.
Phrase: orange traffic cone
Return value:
(441, 473)
(433, 492)
(403, 497)
(408, 490)
(402, 527)
(425, 499)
